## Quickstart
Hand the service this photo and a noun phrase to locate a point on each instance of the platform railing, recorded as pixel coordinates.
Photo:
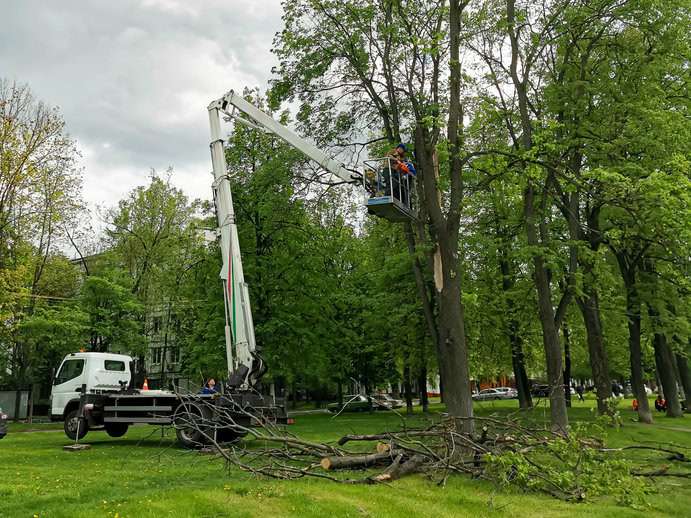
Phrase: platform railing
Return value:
(382, 179)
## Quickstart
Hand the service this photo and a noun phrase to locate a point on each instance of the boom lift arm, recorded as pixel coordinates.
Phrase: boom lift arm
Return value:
(245, 366)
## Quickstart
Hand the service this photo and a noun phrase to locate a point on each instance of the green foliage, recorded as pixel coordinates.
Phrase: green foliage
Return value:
(113, 314)
(571, 467)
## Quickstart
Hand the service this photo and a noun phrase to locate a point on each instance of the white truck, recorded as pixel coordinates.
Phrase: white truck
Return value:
(94, 390)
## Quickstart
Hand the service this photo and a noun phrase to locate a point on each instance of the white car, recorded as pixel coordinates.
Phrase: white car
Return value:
(492, 394)
(508, 392)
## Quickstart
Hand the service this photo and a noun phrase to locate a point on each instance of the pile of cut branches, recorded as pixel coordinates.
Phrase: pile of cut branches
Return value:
(504, 450)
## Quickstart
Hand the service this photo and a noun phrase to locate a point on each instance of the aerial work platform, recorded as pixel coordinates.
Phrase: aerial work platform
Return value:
(390, 208)
(391, 192)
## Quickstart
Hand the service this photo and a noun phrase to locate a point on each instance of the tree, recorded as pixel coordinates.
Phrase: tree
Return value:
(114, 316)
(39, 192)
(385, 73)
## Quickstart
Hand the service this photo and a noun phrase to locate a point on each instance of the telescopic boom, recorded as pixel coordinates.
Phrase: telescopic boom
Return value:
(245, 366)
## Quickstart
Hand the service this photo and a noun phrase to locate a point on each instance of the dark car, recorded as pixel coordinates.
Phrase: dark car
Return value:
(540, 391)
(3, 424)
(544, 391)
(352, 403)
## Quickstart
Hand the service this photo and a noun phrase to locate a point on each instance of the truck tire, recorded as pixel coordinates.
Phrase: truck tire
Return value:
(188, 422)
(226, 435)
(73, 423)
(116, 429)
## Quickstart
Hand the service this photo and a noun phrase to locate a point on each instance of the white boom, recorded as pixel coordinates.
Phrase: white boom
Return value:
(244, 365)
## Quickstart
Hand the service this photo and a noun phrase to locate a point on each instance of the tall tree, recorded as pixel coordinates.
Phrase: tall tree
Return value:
(386, 73)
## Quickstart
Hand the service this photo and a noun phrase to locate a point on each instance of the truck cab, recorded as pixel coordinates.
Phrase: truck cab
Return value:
(100, 372)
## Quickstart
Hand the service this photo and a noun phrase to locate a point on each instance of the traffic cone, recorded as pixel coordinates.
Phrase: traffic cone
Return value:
(146, 384)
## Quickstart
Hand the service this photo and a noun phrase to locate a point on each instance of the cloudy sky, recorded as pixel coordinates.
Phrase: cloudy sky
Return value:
(133, 78)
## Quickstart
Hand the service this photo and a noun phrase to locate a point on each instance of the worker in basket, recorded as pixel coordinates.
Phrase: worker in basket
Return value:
(402, 173)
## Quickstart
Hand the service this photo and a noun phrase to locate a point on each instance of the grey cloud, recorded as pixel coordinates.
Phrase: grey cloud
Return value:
(133, 78)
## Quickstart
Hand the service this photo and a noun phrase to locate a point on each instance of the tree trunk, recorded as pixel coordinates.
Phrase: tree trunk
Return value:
(550, 337)
(17, 405)
(517, 357)
(599, 363)
(636, 359)
(525, 399)
(30, 413)
(422, 388)
(664, 363)
(427, 303)
(407, 387)
(452, 340)
(633, 312)
(567, 363)
(685, 378)
(356, 461)
(452, 348)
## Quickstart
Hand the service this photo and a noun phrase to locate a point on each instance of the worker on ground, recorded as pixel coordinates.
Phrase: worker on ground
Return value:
(402, 174)
(660, 403)
(579, 390)
(210, 387)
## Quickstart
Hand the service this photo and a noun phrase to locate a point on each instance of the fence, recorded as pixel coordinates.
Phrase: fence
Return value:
(8, 402)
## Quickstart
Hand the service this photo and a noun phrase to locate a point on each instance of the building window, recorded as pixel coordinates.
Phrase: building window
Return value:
(156, 355)
(174, 355)
(156, 325)
(175, 323)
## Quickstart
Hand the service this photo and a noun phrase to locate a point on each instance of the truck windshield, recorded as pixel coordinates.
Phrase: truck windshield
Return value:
(114, 365)
(69, 370)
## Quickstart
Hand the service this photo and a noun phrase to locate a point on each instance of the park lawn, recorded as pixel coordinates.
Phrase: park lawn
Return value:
(145, 474)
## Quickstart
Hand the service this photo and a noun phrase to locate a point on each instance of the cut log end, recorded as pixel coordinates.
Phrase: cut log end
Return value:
(399, 469)
(383, 447)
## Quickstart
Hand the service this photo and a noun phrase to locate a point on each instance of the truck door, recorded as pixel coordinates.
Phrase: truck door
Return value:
(67, 384)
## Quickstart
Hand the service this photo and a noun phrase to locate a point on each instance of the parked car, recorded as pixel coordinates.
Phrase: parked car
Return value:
(385, 401)
(508, 392)
(540, 391)
(352, 403)
(3, 424)
(543, 390)
(491, 394)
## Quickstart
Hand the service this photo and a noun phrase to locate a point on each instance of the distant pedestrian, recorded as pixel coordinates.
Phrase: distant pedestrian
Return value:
(579, 390)
(660, 403)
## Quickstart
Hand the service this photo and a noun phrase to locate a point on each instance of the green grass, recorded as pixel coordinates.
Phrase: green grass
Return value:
(145, 475)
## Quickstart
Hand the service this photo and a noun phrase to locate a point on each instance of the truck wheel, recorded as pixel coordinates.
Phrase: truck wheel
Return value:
(225, 435)
(73, 423)
(188, 426)
(116, 429)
